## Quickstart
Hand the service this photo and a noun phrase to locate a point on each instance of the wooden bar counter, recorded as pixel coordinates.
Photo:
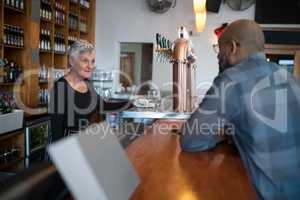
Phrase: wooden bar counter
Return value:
(167, 173)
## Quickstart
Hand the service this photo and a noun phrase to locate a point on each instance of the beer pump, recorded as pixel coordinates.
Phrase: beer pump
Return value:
(182, 57)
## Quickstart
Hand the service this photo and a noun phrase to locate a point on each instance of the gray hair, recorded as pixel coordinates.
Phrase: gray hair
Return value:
(79, 47)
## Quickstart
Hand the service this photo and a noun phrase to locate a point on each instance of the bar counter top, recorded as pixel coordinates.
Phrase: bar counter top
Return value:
(167, 173)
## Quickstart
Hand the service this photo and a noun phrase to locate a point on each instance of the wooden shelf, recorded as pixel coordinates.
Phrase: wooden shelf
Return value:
(23, 56)
(60, 25)
(74, 3)
(43, 105)
(47, 21)
(7, 84)
(74, 14)
(14, 9)
(45, 51)
(10, 84)
(72, 29)
(13, 47)
(59, 53)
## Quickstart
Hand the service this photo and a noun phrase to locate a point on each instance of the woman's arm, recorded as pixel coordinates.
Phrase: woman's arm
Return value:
(113, 105)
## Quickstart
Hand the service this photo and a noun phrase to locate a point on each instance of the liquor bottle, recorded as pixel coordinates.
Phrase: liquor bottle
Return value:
(42, 46)
(21, 4)
(11, 74)
(43, 72)
(22, 37)
(7, 2)
(12, 71)
(17, 4)
(13, 35)
(8, 73)
(5, 34)
(48, 40)
(47, 46)
(6, 70)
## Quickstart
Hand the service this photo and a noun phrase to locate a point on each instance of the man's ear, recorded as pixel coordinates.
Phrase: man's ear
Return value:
(234, 47)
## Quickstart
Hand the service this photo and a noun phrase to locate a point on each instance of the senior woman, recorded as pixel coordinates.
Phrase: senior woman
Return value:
(74, 104)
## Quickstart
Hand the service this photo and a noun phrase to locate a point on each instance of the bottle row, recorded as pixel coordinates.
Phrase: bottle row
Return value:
(9, 154)
(60, 13)
(43, 96)
(71, 40)
(59, 44)
(13, 36)
(45, 40)
(85, 3)
(17, 4)
(46, 13)
(10, 71)
(59, 41)
(7, 102)
(43, 74)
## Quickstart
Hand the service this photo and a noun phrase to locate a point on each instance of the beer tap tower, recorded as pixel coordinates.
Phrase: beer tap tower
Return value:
(184, 73)
(181, 55)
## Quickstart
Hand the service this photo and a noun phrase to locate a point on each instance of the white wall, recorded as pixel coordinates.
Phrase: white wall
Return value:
(131, 21)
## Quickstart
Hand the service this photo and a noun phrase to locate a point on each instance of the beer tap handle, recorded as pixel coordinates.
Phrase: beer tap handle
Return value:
(159, 47)
(162, 42)
(164, 47)
(158, 40)
(170, 45)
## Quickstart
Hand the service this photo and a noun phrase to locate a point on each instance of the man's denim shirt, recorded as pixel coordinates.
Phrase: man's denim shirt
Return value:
(259, 102)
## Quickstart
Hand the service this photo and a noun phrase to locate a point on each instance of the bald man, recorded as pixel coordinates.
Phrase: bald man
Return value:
(258, 104)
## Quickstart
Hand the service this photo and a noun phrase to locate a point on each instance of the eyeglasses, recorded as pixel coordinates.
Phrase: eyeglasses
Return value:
(216, 48)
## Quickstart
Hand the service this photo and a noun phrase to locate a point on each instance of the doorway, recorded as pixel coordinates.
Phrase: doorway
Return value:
(136, 62)
(127, 67)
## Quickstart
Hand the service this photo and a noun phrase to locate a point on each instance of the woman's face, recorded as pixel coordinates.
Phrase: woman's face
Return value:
(84, 64)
